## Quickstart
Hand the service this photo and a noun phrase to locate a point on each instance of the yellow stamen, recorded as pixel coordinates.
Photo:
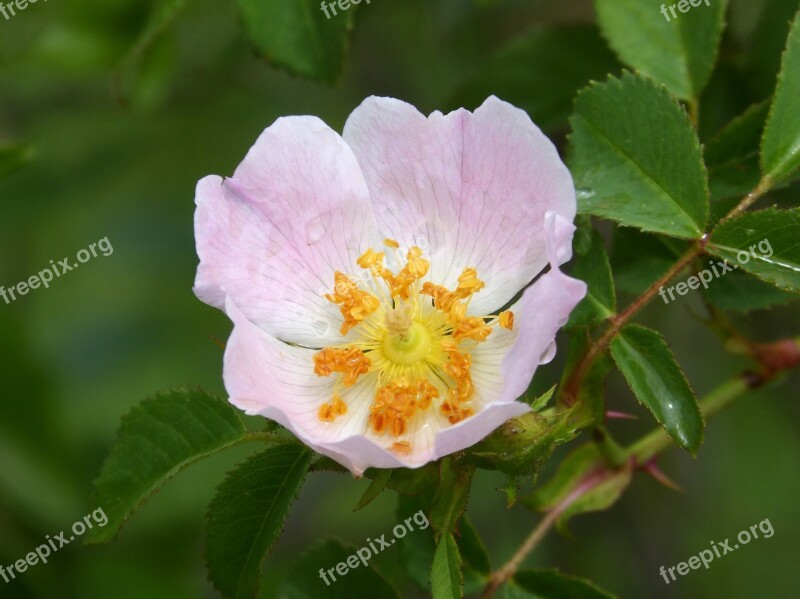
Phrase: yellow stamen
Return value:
(350, 361)
(328, 412)
(472, 327)
(507, 319)
(398, 402)
(355, 303)
(391, 243)
(401, 447)
(468, 283)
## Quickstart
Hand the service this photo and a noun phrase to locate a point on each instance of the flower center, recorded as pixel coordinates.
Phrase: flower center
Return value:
(405, 342)
(413, 339)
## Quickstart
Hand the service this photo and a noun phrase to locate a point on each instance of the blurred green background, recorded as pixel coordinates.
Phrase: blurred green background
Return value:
(114, 144)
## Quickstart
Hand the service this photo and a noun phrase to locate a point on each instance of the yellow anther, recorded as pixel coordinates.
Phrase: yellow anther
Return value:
(330, 411)
(472, 327)
(391, 243)
(355, 304)
(468, 283)
(458, 367)
(455, 413)
(372, 260)
(351, 362)
(507, 319)
(416, 268)
(442, 298)
(396, 403)
(401, 447)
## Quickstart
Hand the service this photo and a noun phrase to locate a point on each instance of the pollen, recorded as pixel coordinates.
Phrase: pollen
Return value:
(351, 362)
(401, 447)
(411, 340)
(416, 268)
(398, 402)
(355, 303)
(330, 411)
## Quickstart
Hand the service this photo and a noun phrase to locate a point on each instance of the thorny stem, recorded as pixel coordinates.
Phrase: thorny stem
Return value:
(573, 384)
(509, 569)
(773, 358)
(648, 447)
(570, 393)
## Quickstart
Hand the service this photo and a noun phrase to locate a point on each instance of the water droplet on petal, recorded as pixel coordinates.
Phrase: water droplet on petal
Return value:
(548, 354)
(584, 193)
(316, 228)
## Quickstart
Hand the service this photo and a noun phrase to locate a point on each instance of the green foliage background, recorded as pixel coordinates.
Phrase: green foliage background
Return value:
(119, 109)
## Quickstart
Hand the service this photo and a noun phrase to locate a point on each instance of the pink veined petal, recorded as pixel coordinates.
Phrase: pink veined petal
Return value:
(266, 377)
(539, 314)
(271, 237)
(471, 189)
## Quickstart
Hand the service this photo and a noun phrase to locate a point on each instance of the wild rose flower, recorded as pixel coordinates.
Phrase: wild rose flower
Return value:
(366, 276)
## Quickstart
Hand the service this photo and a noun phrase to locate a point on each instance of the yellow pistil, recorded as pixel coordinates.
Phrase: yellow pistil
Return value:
(351, 362)
(415, 351)
(328, 412)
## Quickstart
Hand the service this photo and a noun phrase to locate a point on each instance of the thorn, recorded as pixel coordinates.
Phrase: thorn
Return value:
(217, 341)
(620, 416)
(651, 468)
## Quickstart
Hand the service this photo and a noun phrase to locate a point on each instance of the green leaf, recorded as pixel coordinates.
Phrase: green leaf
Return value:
(375, 488)
(298, 37)
(762, 56)
(732, 154)
(743, 292)
(162, 17)
(639, 259)
(739, 139)
(780, 148)
(636, 158)
(156, 440)
(540, 71)
(584, 482)
(13, 157)
(473, 549)
(590, 264)
(765, 243)
(679, 51)
(304, 580)
(540, 403)
(647, 363)
(451, 496)
(416, 550)
(410, 482)
(446, 577)
(552, 584)
(247, 515)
